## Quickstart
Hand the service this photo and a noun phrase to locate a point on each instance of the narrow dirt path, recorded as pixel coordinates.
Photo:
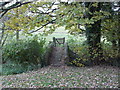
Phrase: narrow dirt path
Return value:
(57, 56)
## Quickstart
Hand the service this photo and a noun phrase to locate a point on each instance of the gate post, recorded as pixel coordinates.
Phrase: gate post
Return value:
(54, 41)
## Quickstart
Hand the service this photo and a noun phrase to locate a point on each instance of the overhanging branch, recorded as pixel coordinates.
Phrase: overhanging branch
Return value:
(16, 5)
(42, 26)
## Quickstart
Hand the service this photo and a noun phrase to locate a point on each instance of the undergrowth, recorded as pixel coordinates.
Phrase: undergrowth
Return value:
(23, 55)
(79, 53)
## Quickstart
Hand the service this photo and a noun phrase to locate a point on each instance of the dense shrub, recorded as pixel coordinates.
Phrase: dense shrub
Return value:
(110, 55)
(79, 53)
(25, 51)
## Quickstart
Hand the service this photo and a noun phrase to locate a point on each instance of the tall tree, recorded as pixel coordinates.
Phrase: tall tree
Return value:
(110, 29)
(93, 33)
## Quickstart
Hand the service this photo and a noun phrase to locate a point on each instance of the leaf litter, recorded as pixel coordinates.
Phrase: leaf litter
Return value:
(70, 77)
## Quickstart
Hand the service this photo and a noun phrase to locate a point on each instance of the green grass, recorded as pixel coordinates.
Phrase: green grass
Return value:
(61, 32)
(58, 33)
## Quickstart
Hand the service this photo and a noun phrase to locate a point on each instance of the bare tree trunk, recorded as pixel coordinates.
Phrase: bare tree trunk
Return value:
(2, 34)
(4, 40)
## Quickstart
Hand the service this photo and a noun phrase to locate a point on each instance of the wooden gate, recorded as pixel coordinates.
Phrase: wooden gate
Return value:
(58, 41)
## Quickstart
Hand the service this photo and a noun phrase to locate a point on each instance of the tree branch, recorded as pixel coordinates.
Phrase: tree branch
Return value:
(43, 26)
(16, 5)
